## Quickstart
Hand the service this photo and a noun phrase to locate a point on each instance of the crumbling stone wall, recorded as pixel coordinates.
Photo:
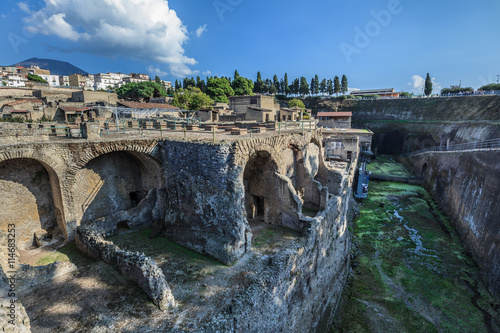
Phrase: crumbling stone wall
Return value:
(300, 287)
(465, 184)
(208, 192)
(13, 316)
(15, 133)
(135, 265)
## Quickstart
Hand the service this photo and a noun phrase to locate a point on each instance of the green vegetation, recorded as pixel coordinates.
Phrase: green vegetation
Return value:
(191, 99)
(157, 247)
(385, 165)
(411, 273)
(11, 119)
(343, 85)
(36, 78)
(428, 85)
(141, 91)
(491, 86)
(455, 90)
(219, 89)
(296, 102)
(405, 94)
(69, 253)
(304, 87)
(272, 235)
(242, 86)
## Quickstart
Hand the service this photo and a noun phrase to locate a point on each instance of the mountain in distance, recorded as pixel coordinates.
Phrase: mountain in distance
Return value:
(56, 67)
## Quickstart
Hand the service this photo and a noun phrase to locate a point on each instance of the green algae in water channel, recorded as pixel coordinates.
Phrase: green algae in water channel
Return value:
(385, 165)
(411, 273)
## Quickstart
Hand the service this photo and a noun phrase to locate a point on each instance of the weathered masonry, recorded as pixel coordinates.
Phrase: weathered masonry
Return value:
(210, 188)
(208, 197)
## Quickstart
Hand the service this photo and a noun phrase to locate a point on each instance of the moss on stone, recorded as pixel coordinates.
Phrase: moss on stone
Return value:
(412, 265)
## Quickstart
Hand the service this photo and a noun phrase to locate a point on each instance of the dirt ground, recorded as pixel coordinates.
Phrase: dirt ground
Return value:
(97, 298)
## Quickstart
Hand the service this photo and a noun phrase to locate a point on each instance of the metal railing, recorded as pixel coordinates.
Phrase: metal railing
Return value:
(487, 144)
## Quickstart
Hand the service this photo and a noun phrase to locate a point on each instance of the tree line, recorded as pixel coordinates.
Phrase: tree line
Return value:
(218, 87)
(191, 93)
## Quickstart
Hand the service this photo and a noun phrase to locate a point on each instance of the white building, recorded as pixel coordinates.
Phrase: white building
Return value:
(105, 80)
(52, 80)
(14, 81)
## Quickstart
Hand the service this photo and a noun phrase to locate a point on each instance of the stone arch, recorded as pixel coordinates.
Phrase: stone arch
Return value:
(113, 180)
(269, 196)
(32, 199)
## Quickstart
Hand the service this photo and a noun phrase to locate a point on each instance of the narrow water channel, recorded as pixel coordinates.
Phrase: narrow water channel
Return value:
(410, 272)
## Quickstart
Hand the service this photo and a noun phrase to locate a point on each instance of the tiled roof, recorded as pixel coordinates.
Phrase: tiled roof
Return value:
(137, 105)
(21, 101)
(334, 114)
(72, 108)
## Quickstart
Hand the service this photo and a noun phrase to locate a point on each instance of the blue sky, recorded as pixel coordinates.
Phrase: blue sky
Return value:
(376, 44)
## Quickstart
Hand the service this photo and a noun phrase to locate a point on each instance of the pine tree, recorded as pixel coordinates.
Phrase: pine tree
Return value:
(259, 84)
(304, 87)
(177, 85)
(344, 87)
(313, 87)
(286, 88)
(329, 88)
(336, 85)
(157, 79)
(322, 87)
(316, 84)
(272, 89)
(236, 74)
(276, 83)
(428, 85)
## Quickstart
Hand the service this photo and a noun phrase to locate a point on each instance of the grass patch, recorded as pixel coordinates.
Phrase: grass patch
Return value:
(139, 241)
(69, 253)
(272, 235)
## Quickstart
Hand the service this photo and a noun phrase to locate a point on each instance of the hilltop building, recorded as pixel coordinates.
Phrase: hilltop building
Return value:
(388, 93)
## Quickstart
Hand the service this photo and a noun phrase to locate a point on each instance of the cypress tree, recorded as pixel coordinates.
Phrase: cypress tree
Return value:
(343, 87)
(428, 85)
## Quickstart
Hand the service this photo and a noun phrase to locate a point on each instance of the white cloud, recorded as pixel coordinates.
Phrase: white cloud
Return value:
(137, 29)
(417, 85)
(24, 7)
(201, 30)
(156, 71)
(181, 70)
(207, 73)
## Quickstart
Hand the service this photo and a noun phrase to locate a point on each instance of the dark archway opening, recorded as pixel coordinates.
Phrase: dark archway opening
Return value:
(260, 188)
(135, 198)
(424, 170)
(391, 143)
(271, 203)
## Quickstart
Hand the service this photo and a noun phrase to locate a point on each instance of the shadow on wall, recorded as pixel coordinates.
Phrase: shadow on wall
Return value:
(27, 201)
(115, 182)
